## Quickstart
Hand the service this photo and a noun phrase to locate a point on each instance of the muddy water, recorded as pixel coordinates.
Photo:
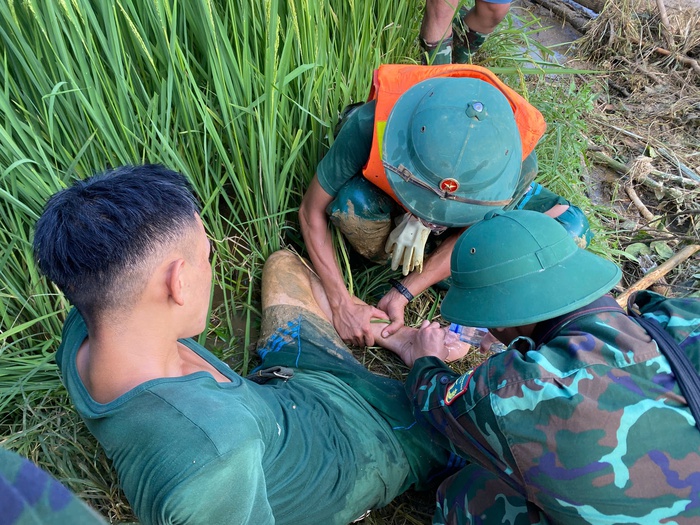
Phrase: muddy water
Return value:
(551, 32)
(559, 36)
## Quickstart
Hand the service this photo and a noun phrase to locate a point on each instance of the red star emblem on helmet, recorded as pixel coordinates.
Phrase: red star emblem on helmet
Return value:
(449, 185)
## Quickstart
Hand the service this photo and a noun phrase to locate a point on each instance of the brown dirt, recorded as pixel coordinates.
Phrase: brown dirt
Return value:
(647, 115)
(647, 119)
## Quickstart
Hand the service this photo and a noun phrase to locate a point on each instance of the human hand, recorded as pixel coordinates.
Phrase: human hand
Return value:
(456, 348)
(393, 304)
(486, 343)
(406, 244)
(352, 322)
(429, 341)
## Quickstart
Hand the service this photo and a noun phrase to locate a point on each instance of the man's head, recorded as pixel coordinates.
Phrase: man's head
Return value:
(100, 239)
(520, 267)
(452, 150)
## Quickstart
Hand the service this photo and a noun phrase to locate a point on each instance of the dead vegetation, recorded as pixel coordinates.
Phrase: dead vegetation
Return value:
(644, 149)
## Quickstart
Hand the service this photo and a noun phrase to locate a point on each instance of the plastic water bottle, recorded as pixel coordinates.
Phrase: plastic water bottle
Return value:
(474, 335)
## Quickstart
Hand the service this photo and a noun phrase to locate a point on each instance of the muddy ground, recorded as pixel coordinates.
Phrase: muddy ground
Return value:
(643, 158)
(644, 152)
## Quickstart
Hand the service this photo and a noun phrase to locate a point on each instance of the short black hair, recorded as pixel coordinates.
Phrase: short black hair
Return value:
(92, 234)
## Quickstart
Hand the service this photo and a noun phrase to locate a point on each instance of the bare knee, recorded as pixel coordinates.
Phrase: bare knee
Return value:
(441, 8)
(288, 280)
(485, 16)
(279, 260)
(282, 269)
(437, 22)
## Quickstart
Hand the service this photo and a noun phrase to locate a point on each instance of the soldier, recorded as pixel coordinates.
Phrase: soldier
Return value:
(192, 441)
(444, 39)
(434, 149)
(585, 418)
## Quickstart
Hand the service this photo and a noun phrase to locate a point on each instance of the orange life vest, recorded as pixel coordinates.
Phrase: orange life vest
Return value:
(392, 80)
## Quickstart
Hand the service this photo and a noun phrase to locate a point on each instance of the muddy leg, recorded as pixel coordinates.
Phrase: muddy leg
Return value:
(288, 280)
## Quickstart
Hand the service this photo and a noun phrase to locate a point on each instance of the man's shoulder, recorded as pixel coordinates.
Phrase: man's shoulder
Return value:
(181, 459)
(350, 150)
(672, 313)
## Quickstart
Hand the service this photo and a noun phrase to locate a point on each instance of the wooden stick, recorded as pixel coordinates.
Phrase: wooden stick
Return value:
(576, 20)
(602, 158)
(657, 273)
(665, 23)
(673, 159)
(681, 58)
(643, 210)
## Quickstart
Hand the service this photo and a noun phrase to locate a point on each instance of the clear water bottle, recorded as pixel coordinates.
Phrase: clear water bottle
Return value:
(473, 336)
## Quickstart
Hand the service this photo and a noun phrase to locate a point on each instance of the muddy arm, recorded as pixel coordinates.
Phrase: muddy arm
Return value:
(350, 319)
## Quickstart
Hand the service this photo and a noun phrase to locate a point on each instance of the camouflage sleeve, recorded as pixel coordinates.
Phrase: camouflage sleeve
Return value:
(680, 317)
(459, 407)
(30, 495)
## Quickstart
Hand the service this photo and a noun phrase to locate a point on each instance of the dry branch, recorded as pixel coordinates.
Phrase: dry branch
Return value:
(668, 155)
(565, 12)
(657, 273)
(683, 59)
(643, 210)
(665, 23)
(623, 169)
(620, 29)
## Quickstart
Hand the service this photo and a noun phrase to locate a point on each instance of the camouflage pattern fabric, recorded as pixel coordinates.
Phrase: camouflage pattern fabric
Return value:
(30, 496)
(591, 425)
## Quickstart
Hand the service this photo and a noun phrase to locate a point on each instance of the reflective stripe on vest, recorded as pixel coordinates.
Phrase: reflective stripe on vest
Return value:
(392, 80)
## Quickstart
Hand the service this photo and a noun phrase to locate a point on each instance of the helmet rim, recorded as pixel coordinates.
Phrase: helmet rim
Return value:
(471, 139)
(546, 275)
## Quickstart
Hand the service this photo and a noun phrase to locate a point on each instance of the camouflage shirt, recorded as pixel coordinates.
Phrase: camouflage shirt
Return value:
(591, 424)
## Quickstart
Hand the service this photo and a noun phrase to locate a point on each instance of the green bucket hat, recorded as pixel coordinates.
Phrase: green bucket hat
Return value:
(452, 150)
(520, 267)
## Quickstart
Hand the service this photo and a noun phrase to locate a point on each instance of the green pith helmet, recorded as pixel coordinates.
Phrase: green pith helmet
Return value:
(451, 150)
(520, 267)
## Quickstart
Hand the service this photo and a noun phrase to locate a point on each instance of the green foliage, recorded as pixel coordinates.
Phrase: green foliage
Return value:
(240, 96)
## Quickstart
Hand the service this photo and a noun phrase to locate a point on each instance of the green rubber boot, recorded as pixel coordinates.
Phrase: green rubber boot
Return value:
(436, 53)
(465, 41)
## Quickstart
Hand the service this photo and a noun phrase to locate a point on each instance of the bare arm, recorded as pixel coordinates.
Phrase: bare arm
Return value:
(351, 320)
(435, 269)
(556, 210)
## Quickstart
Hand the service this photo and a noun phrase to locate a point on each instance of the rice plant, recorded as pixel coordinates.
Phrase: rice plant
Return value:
(240, 96)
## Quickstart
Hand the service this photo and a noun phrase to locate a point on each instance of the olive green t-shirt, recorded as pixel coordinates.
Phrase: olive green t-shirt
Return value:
(350, 151)
(192, 450)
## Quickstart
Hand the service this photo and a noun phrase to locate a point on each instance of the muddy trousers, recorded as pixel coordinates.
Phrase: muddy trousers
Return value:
(476, 496)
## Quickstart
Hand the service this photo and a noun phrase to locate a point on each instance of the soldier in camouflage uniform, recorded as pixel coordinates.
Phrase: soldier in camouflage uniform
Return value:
(581, 419)
(31, 496)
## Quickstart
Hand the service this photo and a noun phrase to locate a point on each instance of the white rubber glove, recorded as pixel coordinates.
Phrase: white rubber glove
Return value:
(406, 244)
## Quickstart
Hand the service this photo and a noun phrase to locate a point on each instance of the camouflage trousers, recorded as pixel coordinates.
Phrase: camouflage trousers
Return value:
(476, 496)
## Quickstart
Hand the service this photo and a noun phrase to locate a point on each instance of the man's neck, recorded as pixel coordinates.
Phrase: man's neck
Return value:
(113, 361)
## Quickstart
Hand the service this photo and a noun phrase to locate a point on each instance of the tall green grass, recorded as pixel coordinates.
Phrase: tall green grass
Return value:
(240, 96)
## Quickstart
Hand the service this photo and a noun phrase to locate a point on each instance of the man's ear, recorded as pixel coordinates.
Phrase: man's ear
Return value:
(175, 281)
